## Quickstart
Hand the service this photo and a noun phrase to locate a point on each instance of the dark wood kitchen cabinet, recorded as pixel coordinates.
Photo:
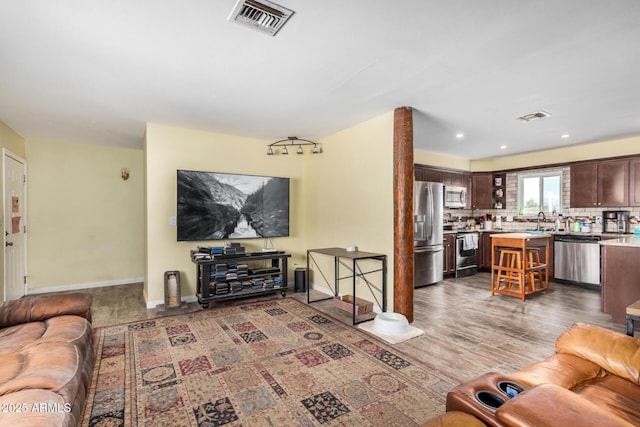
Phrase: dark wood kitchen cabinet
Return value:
(449, 253)
(427, 174)
(584, 192)
(482, 194)
(619, 277)
(448, 177)
(456, 179)
(484, 250)
(634, 182)
(604, 183)
(613, 183)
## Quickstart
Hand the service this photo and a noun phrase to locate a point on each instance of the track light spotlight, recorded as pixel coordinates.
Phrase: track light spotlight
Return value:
(290, 142)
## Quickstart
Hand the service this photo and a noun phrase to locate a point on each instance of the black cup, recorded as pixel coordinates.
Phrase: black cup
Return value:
(489, 399)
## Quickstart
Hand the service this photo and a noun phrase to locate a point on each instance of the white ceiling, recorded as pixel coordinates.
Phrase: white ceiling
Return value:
(96, 71)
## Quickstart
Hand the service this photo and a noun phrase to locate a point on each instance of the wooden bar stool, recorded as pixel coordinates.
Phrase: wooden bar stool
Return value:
(534, 269)
(509, 271)
(633, 313)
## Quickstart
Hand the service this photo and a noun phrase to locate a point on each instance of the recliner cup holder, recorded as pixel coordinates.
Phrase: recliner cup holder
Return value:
(489, 399)
(510, 389)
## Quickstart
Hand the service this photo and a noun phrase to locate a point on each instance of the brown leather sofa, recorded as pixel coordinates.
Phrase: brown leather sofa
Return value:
(592, 380)
(46, 359)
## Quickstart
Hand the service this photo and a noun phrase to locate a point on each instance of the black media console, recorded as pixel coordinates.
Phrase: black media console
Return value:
(223, 277)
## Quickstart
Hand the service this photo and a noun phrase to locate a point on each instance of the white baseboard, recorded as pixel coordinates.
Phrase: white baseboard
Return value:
(80, 286)
(322, 289)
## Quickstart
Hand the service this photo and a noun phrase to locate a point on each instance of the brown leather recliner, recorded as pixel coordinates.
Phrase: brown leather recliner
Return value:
(46, 359)
(592, 380)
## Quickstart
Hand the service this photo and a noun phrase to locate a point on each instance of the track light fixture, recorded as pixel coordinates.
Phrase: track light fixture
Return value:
(289, 142)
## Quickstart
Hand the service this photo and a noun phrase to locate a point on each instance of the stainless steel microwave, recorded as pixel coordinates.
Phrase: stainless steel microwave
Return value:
(455, 197)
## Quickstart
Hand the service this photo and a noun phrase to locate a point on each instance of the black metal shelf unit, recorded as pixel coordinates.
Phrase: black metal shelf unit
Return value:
(224, 277)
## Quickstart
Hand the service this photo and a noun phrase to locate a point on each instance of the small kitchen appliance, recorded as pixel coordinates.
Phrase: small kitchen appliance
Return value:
(615, 221)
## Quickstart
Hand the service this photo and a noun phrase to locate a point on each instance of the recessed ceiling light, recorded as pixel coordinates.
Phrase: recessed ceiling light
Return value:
(565, 136)
(459, 135)
(503, 147)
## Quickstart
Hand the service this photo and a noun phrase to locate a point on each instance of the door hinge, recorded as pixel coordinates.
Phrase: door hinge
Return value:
(24, 178)
(24, 229)
(25, 279)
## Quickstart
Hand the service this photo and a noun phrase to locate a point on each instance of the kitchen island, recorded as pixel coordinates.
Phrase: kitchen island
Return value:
(523, 269)
(620, 275)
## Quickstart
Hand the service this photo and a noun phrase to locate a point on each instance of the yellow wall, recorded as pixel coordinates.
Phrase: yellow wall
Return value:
(423, 157)
(168, 149)
(349, 192)
(10, 140)
(599, 150)
(85, 224)
(14, 143)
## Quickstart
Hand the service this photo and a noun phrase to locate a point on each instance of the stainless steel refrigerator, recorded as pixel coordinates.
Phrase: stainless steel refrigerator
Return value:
(428, 242)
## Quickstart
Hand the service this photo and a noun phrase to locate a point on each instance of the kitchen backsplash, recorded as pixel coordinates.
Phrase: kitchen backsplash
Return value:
(521, 223)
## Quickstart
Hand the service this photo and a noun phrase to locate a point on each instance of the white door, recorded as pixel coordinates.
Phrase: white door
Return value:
(14, 208)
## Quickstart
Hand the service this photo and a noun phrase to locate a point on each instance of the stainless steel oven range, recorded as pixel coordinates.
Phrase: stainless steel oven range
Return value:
(466, 253)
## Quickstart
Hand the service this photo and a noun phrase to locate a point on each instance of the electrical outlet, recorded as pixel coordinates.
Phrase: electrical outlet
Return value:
(598, 220)
(172, 220)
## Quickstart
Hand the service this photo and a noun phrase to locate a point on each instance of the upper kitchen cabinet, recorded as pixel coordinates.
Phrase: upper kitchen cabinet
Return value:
(604, 183)
(448, 177)
(634, 182)
(423, 173)
(455, 179)
(482, 194)
(613, 183)
(584, 192)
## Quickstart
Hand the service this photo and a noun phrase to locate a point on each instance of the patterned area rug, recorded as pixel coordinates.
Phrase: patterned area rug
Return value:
(269, 363)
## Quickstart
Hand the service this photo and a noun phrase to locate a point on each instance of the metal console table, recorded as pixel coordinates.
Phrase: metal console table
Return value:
(352, 261)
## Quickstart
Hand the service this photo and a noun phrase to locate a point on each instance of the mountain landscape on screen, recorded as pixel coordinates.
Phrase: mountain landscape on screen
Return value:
(216, 206)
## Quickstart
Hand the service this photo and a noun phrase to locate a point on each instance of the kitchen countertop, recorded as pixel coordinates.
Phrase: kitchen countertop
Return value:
(606, 236)
(629, 240)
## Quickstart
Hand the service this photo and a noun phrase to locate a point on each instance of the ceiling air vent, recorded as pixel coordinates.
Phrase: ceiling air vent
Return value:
(534, 116)
(261, 15)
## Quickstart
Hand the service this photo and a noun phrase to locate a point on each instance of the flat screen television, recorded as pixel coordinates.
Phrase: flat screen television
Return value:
(218, 206)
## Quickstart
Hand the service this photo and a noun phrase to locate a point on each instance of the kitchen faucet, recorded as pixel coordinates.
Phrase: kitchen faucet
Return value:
(544, 218)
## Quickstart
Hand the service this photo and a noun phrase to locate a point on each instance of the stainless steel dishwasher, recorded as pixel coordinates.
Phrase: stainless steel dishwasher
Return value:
(577, 259)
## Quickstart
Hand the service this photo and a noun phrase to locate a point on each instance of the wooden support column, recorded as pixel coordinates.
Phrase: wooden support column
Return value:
(403, 212)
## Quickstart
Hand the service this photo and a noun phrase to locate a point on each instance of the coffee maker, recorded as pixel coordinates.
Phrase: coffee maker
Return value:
(615, 221)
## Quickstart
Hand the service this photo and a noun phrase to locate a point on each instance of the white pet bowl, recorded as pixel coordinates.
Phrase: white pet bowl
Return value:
(391, 324)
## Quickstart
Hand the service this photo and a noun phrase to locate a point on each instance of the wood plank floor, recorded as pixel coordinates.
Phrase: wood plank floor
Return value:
(467, 331)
